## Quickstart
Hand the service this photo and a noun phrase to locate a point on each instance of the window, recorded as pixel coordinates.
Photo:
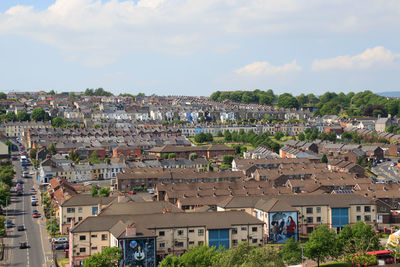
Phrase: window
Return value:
(178, 244)
(200, 243)
(162, 245)
(80, 219)
(200, 232)
(161, 233)
(69, 219)
(234, 242)
(80, 210)
(191, 230)
(94, 236)
(104, 237)
(367, 209)
(358, 218)
(82, 250)
(82, 237)
(358, 209)
(243, 228)
(318, 209)
(310, 219)
(191, 243)
(180, 232)
(94, 248)
(234, 231)
(309, 230)
(244, 240)
(318, 219)
(254, 240)
(309, 210)
(367, 218)
(70, 210)
(254, 229)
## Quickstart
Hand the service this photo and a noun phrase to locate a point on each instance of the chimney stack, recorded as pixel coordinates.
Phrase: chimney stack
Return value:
(130, 230)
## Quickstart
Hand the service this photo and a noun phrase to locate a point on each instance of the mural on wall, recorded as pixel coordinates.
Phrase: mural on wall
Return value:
(282, 226)
(138, 252)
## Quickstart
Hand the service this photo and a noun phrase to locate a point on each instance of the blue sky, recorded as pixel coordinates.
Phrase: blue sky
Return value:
(193, 47)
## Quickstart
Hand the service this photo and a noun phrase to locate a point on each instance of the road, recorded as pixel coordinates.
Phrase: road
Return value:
(21, 214)
(384, 170)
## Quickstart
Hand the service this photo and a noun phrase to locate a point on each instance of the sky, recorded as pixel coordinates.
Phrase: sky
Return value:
(195, 47)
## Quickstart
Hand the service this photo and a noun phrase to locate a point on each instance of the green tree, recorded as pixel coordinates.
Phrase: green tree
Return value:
(52, 92)
(171, 155)
(278, 135)
(324, 159)
(246, 255)
(200, 138)
(198, 256)
(287, 101)
(22, 116)
(3, 95)
(358, 238)
(94, 191)
(4, 194)
(291, 252)
(58, 122)
(32, 153)
(301, 137)
(94, 158)
(321, 245)
(38, 114)
(52, 226)
(104, 192)
(220, 134)
(227, 159)
(227, 136)
(52, 149)
(209, 137)
(74, 156)
(10, 116)
(193, 156)
(109, 257)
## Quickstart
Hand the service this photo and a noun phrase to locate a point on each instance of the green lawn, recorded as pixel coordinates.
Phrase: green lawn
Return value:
(62, 261)
(335, 264)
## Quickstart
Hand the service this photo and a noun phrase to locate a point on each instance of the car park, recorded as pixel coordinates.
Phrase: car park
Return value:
(20, 228)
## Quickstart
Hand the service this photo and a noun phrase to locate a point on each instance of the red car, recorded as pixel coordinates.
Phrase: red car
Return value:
(35, 215)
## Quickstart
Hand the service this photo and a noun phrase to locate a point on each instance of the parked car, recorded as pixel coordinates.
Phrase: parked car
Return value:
(62, 246)
(23, 245)
(35, 214)
(60, 240)
(20, 228)
(9, 223)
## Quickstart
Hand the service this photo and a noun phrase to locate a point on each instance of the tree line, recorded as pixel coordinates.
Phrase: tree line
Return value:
(349, 246)
(351, 104)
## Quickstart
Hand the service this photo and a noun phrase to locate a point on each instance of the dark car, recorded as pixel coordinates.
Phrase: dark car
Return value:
(20, 228)
(62, 246)
(9, 224)
(23, 245)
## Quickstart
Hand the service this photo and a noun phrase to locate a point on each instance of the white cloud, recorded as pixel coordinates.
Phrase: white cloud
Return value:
(98, 32)
(377, 57)
(265, 68)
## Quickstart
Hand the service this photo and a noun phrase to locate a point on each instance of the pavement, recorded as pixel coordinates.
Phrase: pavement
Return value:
(20, 212)
(386, 172)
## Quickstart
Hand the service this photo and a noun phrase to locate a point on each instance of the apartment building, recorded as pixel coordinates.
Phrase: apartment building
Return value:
(79, 207)
(174, 233)
(336, 210)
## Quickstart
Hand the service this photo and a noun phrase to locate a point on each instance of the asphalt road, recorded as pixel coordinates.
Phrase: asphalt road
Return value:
(21, 212)
(383, 171)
